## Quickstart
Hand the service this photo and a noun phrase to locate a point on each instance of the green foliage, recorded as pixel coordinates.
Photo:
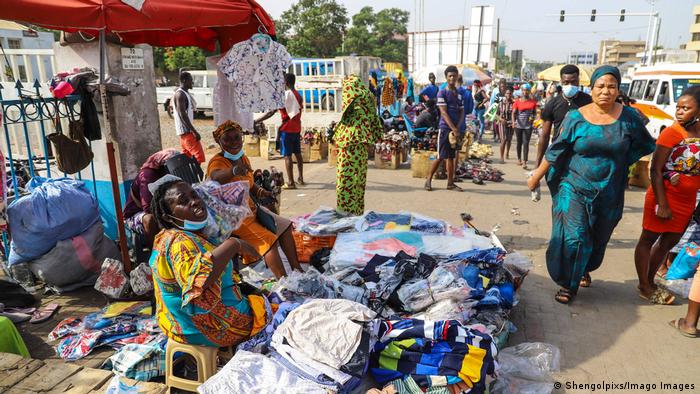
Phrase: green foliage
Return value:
(173, 59)
(380, 34)
(313, 28)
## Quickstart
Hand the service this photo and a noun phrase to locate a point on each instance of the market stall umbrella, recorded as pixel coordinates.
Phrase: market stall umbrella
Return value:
(156, 22)
(471, 74)
(552, 74)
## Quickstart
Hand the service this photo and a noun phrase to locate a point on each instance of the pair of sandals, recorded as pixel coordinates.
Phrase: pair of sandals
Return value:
(565, 296)
(33, 315)
(293, 186)
(452, 187)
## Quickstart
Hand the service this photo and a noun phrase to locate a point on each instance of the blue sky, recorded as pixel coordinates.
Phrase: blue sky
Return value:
(525, 24)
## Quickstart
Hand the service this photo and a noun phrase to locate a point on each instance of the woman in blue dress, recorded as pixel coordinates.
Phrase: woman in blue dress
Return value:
(586, 170)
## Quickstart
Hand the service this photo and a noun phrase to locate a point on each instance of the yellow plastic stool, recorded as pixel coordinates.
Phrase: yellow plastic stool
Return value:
(204, 356)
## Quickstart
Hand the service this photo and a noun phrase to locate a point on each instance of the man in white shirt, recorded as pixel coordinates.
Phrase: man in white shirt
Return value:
(185, 106)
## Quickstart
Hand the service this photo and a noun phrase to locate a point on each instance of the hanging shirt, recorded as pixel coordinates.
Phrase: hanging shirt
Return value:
(291, 112)
(225, 107)
(257, 67)
(180, 127)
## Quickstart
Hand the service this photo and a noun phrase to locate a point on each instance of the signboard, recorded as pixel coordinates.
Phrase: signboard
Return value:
(481, 34)
(132, 58)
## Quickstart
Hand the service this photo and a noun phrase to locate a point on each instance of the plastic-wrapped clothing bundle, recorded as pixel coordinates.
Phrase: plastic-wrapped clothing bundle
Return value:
(402, 221)
(440, 285)
(298, 286)
(325, 221)
(448, 310)
(493, 256)
(227, 206)
(527, 368)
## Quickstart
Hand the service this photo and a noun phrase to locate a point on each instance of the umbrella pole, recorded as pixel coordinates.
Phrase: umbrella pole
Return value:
(107, 117)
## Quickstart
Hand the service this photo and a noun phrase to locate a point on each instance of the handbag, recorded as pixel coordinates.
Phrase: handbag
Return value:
(72, 151)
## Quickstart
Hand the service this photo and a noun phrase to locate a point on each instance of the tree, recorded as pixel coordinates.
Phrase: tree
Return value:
(313, 28)
(381, 34)
(175, 58)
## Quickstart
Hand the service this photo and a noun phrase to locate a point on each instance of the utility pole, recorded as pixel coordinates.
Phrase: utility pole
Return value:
(656, 43)
(498, 43)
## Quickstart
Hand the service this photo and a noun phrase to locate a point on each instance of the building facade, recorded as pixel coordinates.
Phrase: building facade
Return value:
(616, 52)
(590, 58)
(14, 36)
(694, 43)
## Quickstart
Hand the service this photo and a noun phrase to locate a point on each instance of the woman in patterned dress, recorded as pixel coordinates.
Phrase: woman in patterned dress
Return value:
(670, 200)
(359, 127)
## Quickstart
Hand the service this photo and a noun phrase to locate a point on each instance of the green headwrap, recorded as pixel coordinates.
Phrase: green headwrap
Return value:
(603, 70)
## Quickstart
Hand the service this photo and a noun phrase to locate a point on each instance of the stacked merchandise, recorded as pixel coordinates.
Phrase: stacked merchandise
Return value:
(425, 140)
(478, 171)
(272, 181)
(392, 143)
(408, 299)
(480, 151)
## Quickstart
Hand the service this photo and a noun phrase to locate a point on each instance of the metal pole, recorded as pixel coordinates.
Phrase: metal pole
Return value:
(655, 37)
(461, 48)
(498, 43)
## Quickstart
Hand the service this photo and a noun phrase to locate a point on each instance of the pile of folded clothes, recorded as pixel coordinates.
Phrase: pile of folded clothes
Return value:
(407, 299)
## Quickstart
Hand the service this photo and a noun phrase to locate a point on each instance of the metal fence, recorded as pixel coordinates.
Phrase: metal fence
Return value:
(27, 120)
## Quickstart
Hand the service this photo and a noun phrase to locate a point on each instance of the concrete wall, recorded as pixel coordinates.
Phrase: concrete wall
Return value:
(136, 119)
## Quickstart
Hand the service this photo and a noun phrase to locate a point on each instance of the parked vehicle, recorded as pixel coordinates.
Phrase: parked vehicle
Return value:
(202, 91)
(657, 89)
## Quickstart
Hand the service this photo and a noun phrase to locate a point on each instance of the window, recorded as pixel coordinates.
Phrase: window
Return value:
(663, 95)
(697, 18)
(696, 37)
(651, 90)
(637, 89)
(22, 73)
(197, 81)
(680, 85)
(14, 43)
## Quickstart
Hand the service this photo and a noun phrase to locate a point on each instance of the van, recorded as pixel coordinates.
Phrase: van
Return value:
(656, 90)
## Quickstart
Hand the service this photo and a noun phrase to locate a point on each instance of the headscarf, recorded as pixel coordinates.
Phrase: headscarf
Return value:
(359, 122)
(225, 128)
(604, 70)
(158, 159)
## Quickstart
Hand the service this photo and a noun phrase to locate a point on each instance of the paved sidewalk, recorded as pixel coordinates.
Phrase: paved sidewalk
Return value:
(607, 334)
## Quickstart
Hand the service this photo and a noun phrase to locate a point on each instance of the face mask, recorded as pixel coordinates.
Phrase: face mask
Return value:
(569, 91)
(191, 225)
(690, 123)
(232, 156)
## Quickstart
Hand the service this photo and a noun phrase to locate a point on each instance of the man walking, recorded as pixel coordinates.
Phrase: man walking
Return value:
(290, 131)
(185, 106)
(556, 109)
(451, 105)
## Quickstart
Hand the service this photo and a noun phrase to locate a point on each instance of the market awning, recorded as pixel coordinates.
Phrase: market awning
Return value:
(552, 74)
(157, 22)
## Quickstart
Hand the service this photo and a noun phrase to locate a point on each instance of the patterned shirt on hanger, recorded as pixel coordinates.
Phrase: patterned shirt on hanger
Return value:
(258, 75)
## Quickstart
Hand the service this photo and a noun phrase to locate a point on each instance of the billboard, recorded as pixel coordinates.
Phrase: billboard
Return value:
(481, 34)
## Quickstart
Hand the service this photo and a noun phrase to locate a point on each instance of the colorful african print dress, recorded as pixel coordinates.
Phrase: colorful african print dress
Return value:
(219, 315)
(358, 128)
(587, 179)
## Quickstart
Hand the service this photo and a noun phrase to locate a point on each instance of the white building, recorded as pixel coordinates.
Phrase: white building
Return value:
(590, 58)
(15, 39)
(668, 56)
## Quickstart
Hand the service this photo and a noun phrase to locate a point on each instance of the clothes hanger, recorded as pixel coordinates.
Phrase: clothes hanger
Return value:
(262, 35)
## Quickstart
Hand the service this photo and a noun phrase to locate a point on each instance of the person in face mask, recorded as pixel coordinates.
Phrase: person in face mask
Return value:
(670, 200)
(263, 230)
(198, 300)
(556, 108)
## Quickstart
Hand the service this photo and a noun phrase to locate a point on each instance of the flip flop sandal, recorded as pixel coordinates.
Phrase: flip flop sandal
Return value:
(677, 325)
(300, 182)
(16, 317)
(44, 313)
(661, 296)
(585, 281)
(428, 187)
(564, 296)
(288, 187)
(26, 311)
(454, 188)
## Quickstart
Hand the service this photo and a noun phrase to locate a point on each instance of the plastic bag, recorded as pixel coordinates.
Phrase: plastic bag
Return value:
(325, 221)
(685, 264)
(517, 263)
(141, 279)
(56, 209)
(440, 285)
(112, 281)
(227, 208)
(679, 287)
(527, 368)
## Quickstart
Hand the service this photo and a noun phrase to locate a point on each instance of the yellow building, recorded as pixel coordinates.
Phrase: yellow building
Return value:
(694, 43)
(616, 52)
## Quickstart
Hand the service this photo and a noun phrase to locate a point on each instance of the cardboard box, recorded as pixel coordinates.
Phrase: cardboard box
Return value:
(251, 145)
(640, 174)
(421, 162)
(332, 155)
(393, 163)
(267, 149)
